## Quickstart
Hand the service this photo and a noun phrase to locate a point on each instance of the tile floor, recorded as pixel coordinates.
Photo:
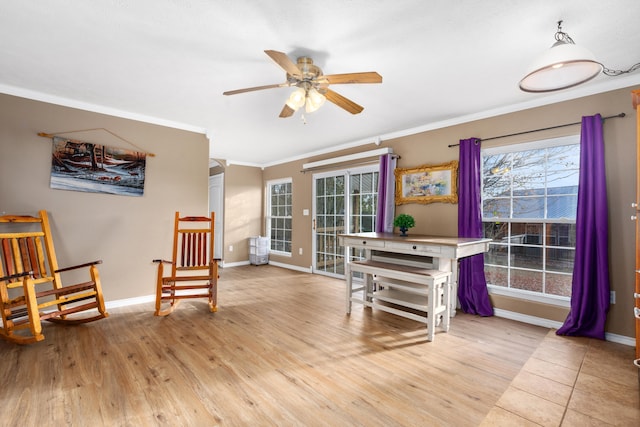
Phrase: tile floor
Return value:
(572, 382)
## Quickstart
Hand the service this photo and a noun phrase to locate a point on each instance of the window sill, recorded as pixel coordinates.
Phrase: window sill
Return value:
(530, 296)
(278, 253)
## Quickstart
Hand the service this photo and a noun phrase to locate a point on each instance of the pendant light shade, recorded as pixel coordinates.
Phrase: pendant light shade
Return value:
(563, 66)
(297, 98)
(314, 101)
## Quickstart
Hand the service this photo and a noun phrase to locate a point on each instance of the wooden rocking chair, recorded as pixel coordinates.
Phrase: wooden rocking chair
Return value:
(194, 270)
(31, 288)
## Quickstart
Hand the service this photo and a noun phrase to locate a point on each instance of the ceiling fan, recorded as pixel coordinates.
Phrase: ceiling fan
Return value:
(312, 86)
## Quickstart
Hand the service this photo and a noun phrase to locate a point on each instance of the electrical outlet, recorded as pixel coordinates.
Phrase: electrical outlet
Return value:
(612, 297)
(230, 248)
(300, 251)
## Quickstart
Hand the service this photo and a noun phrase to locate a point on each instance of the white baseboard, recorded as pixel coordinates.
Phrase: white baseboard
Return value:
(620, 339)
(274, 263)
(525, 318)
(130, 301)
(291, 267)
(234, 264)
(552, 324)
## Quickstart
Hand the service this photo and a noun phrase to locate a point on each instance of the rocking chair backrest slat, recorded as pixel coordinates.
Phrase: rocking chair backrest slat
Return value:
(202, 253)
(7, 258)
(33, 257)
(189, 236)
(23, 244)
(16, 255)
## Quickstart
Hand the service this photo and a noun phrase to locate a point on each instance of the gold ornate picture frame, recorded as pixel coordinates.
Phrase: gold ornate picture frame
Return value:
(427, 184)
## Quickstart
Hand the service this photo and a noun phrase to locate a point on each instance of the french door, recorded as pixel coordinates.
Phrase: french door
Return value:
(343, 201)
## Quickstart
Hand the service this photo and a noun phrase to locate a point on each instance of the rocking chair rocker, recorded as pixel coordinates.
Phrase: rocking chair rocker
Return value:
(194, 270)
(31, 288)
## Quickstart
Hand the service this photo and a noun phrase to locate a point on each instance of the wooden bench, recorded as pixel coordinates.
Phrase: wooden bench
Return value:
(416, 293)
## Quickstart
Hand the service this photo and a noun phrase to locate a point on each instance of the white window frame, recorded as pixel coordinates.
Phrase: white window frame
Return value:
(556, 300)
(268, 216)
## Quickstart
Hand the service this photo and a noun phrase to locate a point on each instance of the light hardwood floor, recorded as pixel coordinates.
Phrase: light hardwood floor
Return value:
(280, 351)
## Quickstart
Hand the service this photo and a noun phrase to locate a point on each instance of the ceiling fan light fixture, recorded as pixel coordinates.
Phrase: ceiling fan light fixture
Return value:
(314, 101)
(311, 85)
(563, 66)
(297, 98)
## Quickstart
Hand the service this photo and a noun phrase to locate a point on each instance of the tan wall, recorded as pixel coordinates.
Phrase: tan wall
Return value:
(441, 219)
(243, 210)
(127, 233)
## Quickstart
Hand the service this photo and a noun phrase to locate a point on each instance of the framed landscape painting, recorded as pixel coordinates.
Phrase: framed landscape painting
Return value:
(427, 184)
(85, 166)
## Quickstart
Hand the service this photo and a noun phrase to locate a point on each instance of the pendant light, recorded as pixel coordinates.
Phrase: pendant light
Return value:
(563, 66)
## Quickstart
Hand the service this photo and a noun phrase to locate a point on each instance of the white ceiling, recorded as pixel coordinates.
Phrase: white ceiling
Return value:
(168, 62)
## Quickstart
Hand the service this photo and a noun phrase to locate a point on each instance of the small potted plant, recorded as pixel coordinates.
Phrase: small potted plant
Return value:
(404, 222)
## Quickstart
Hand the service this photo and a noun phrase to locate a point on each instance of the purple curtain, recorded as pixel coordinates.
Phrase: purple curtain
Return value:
(386, 194)
(472, 285)
(590, 283)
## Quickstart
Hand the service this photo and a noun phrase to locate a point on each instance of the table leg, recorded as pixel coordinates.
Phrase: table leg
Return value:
(349, 288)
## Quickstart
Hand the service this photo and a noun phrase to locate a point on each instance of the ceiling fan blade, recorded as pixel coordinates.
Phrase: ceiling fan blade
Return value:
(251, 89)
(367, 77)
(287, 111)
(284, 62)
(343, 102)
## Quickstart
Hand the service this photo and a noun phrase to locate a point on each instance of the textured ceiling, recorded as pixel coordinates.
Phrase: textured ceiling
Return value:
(168, 62)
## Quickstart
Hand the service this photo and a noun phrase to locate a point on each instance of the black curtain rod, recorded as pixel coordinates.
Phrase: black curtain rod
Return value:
(538, 130)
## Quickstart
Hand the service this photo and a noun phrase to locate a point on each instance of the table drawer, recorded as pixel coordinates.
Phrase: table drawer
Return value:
(411, 248)
(364, 243)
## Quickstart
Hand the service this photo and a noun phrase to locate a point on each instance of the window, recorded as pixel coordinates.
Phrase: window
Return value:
(279, 215)
(529, 200)
(363, 200)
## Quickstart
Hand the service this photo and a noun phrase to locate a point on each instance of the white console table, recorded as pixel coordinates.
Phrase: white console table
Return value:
(432, 252)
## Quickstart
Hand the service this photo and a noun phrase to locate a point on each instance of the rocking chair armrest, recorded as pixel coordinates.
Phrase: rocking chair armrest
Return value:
(16, 276)
(162, 261)
(75, 267)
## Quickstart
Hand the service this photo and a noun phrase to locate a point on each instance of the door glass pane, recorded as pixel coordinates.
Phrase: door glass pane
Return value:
(329, 206)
